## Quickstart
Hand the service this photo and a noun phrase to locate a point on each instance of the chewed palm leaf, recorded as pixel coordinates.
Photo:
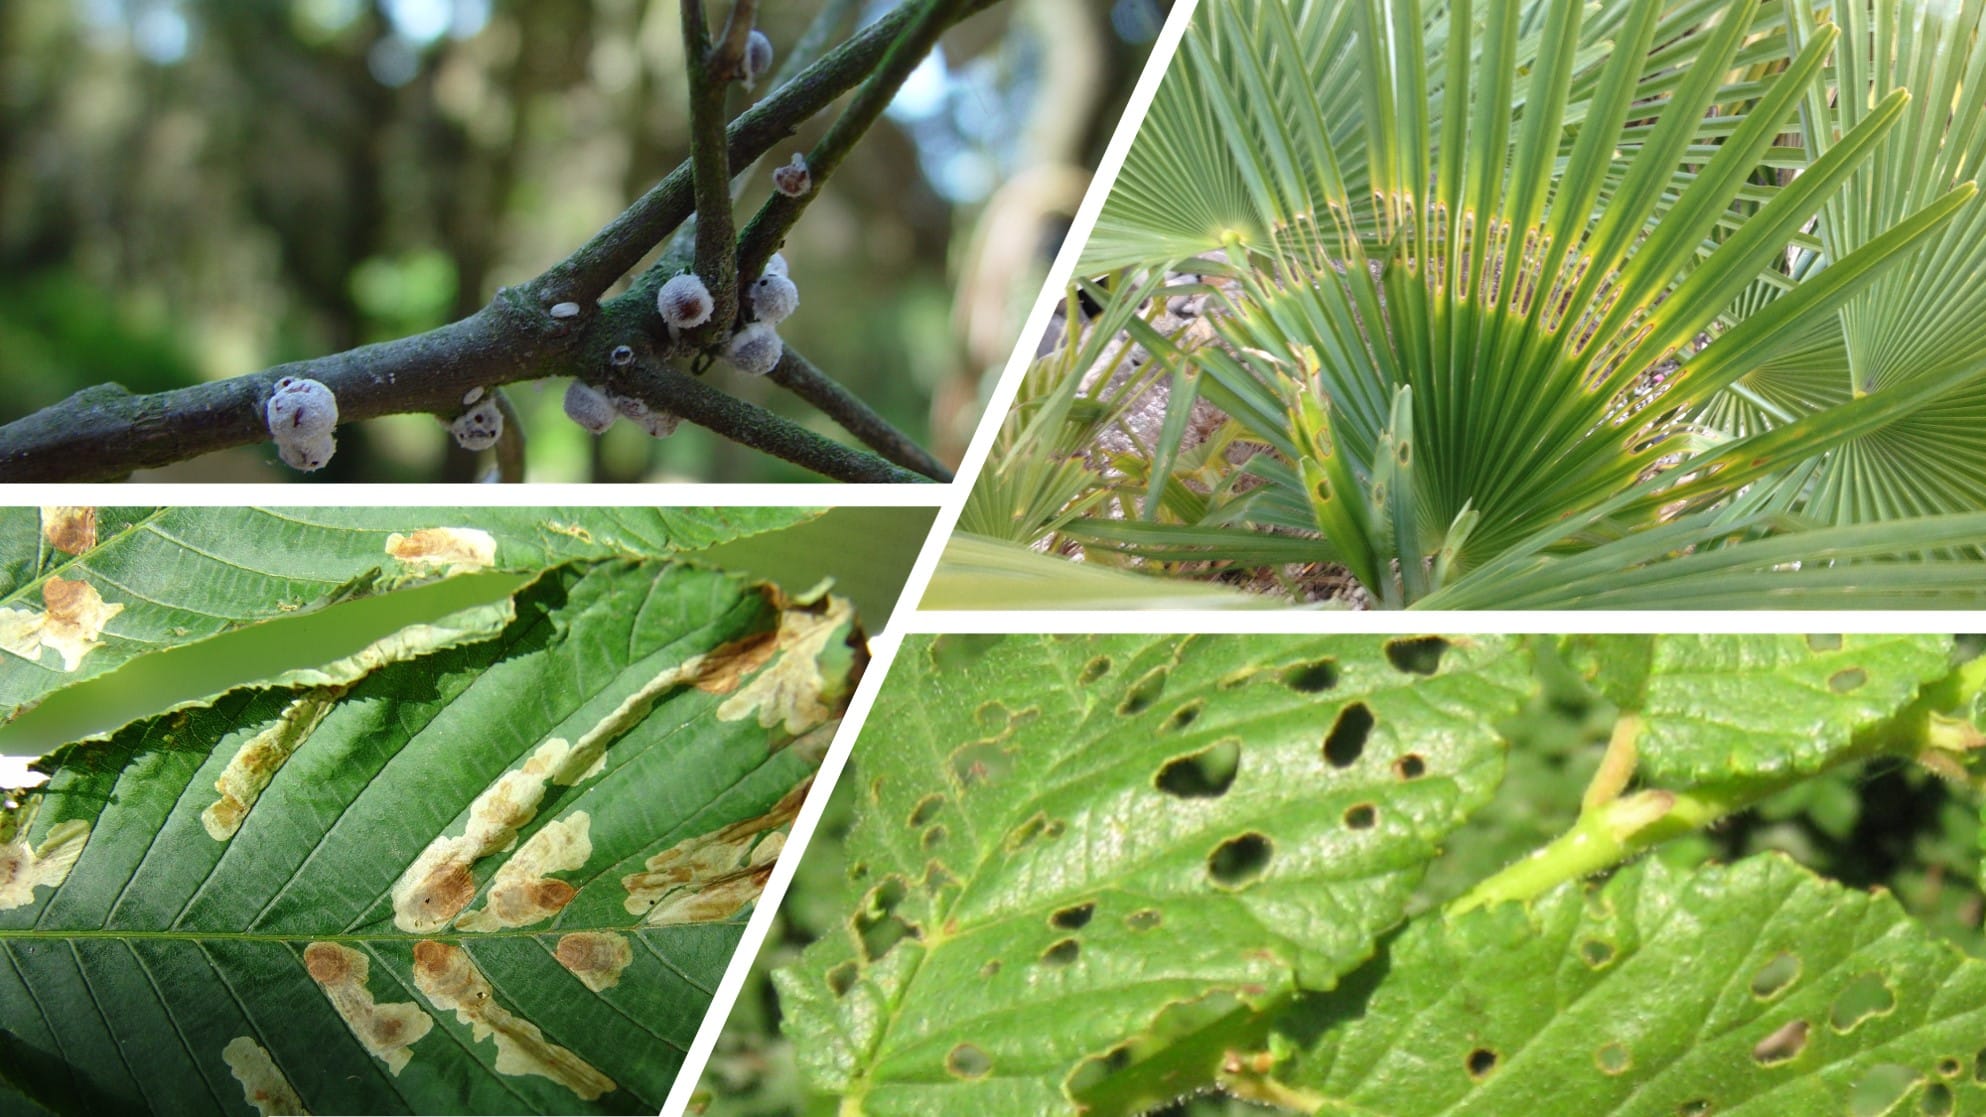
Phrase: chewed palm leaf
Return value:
(1472, 295)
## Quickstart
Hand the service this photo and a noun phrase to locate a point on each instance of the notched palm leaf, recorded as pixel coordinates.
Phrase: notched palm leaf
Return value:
(83, 590)
(1659, 993)
(503, 877)
(1065, 839)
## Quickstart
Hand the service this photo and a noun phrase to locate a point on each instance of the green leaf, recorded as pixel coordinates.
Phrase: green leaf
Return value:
(1727, 706)
(1756, 989)
(1063, 839)
(981, 573)
(121, 582)
(503, 877)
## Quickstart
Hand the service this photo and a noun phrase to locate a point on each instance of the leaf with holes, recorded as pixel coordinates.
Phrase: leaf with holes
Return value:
(83, 590)
(503, 877)
(1069, 845)
(1660, 993)
(1717, 707)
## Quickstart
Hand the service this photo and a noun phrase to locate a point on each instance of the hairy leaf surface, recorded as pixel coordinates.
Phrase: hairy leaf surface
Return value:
(1723, 706)
(1063, 838)
(500, 878)
(83, 590)
(1657, 994)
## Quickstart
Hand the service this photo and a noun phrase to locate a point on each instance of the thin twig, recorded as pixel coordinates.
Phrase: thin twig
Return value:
(711, 71)
(510, 444)
(666, 388)
(798, 375)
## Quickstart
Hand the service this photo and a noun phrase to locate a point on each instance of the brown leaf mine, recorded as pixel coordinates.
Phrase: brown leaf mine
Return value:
(461, 549)
(22, 869)
(385, 1031)
(256, 763)
(791, 691)
(449, 979)
(70, 530)
(712, 876)
(262, 1083)
(523, 892)
(596, 958)
(72, 623)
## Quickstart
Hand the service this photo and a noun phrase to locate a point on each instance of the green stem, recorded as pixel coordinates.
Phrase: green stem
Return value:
(711, 68)
(1613, 830)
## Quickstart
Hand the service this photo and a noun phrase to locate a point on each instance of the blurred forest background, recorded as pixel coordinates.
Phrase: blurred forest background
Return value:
(1879, 824)
(197, 189)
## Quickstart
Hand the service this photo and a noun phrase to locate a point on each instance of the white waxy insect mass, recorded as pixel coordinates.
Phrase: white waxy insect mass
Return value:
(589, 407)
(479, 427)
(301, 414)
(565, 310)
(684, 302)
(774, 298)
(755, 350)
(776, 265)
(758, 57)
(794, 179)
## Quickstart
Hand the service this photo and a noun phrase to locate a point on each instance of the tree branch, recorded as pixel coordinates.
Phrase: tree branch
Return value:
(666, 388)
(106, 432)
(711, 71)
(798, 375)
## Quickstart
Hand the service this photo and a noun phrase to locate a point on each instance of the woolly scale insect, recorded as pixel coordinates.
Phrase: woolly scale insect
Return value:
(301, 414)
(684, 302)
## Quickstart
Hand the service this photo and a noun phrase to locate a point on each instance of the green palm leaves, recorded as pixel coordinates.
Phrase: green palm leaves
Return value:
(1505, 286)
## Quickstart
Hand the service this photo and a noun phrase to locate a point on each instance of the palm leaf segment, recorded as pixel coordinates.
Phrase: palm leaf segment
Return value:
(1461, 288)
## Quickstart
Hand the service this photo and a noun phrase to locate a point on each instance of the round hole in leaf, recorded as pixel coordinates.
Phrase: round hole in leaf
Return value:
(1775, 976)
(1410, 767)
(1144, 919)
(1613, 1058)
(1311, 678)
(1936, 1101)
(1949, 1066)
(989, 970)
(1481, 1063)
(1824, 643)
(980, 762)
(1696, 1107)
(1073, 918)
(1095, 669)
(967, 1061)
(842, 978)
(1979, 1066)
(876, 790)
(1783, 1045)
(1182, 717)
(1361, 816)
(1095, 1070)
(1868, 995)
(927, 809)
(1024, 834)
(1596, 952)
(1206, 774)
(858, 870)
(1346, 741)
(1240, 861)
(934, 837)
(1420, 655)
(1880, 1088)
(1852, 678)
(1061, 953)
(1055, 829)
(1143, 693)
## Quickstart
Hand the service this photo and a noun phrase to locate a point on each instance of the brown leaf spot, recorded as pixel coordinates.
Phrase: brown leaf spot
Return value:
(522, 893)
(596, 958)
(72, 623)
(712, 876)
(721, 671)
(71, 530)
